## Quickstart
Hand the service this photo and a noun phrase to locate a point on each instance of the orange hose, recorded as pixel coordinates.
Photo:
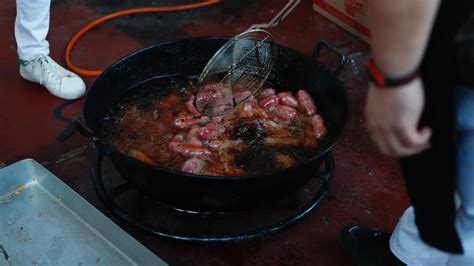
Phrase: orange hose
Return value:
(96, 22)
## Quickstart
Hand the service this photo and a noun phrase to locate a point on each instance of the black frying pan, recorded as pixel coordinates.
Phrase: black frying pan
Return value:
(181, 59)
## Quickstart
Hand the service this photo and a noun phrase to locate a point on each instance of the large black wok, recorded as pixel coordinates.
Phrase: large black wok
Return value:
(180, 59)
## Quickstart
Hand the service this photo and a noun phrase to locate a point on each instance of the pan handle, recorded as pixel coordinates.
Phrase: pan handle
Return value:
(87, 132)
(82, 127)
(335, 50)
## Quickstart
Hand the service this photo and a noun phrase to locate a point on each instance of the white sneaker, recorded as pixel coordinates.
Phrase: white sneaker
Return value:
(59, 81)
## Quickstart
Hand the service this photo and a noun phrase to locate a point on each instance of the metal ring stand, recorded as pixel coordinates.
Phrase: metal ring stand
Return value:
(108, 199)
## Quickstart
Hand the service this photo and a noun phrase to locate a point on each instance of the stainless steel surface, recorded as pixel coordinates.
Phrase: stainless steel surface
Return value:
(4, 254)
(44, 222)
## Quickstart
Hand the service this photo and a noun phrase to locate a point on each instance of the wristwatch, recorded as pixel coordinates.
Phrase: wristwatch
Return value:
(383, 82)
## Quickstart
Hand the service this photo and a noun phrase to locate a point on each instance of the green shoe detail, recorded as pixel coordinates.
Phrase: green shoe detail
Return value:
(22, 63)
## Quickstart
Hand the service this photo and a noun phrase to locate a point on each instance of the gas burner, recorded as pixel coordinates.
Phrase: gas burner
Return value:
(154, 217)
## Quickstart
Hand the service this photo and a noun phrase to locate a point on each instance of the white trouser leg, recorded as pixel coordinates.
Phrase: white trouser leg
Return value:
(407, 245)
(31, 28)
(405, 242)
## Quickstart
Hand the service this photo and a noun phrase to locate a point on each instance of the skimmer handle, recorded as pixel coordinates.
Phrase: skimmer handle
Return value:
(284, 12)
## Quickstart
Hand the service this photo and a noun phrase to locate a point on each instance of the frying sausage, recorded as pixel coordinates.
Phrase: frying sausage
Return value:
(188, 150)
(246, 110)
(268, 92)
(190, 106)
(189, 121)
(286, 98)
(192, 137)
(210, 131)
(193, 165)
(242, 96)
(318, 126)
(304, 98)
(286, 113)
(270, 101)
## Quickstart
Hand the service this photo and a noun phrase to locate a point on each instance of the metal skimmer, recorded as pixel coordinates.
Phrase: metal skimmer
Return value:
(239, 68)
(235, 72)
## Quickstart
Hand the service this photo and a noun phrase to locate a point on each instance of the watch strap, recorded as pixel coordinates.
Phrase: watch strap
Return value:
(382, 81)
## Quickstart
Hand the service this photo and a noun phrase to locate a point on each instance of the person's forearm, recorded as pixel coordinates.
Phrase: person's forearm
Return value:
(400, 30)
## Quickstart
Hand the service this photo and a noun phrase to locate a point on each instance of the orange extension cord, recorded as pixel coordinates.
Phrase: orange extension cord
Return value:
(96, 22)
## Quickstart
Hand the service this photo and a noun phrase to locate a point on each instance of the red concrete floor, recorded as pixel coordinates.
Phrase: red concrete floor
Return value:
(368, 188)
(28, 127)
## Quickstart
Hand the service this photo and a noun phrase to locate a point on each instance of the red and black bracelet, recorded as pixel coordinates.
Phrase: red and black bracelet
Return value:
(381, 81)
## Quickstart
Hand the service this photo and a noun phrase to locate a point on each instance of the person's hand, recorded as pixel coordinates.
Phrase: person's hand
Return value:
(392, 118)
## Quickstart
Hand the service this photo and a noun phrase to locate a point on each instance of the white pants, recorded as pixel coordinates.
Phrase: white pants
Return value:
(407, 245)
(405, 242)
(31, 28)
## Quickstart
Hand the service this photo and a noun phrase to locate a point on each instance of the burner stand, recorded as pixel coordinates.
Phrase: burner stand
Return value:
(109, 196)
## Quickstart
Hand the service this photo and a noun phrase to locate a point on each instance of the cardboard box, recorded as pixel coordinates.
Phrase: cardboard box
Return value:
(349, 14)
